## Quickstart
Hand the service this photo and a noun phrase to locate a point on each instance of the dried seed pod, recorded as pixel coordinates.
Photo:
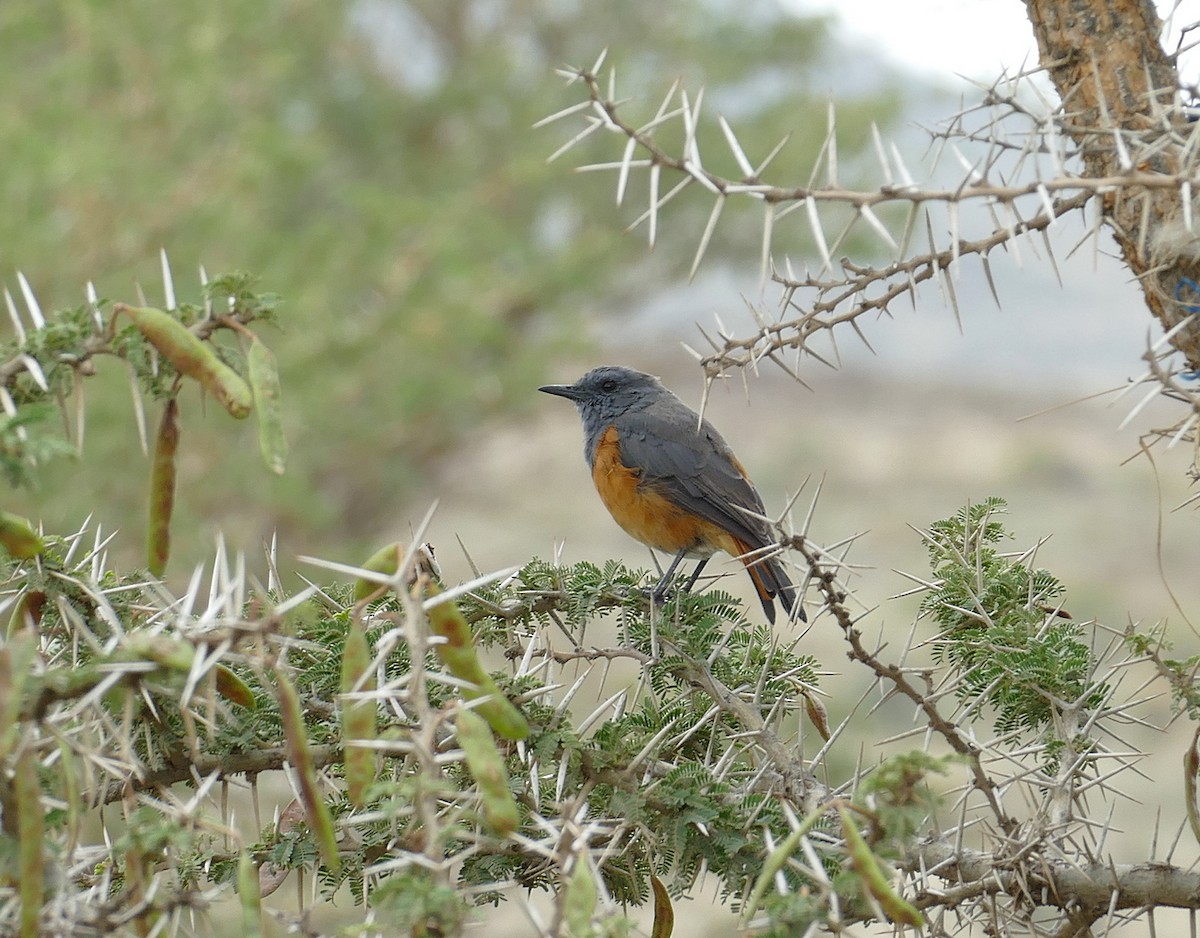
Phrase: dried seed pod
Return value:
(270, 876)
(27, 614)
(817, 714)
(268, 404)
(191, 356)
(162, 490)
(664, 912)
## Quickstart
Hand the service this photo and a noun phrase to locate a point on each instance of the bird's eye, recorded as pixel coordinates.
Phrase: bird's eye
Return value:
(608, 386)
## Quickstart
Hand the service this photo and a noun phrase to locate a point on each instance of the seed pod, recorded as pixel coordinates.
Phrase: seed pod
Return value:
(385, 561)
(320, 821)
(817, 714)
(268, 403)
(457, 653)
(490, 774)
(191, 356)
(358, 716)
(27, 614)
(16, 670)
(249, 896)
(71, 791)
(1191, 771)
(664, 912)
(234, 689)
(894, 906)
(579, 904)
(18, 537)
(173, 654)
(31, 837)
(270, 876)
(162, 490)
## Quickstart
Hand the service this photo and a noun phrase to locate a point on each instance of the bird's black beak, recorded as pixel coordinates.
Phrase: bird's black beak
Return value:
(569, 391)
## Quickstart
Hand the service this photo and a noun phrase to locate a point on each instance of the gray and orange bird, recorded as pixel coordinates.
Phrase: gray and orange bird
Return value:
(670, 480)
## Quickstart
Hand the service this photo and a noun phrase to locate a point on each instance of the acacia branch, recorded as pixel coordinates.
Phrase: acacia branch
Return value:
(754, 186)
(895, 676)
(795, 781)
(1133, 145)
(102, 344)
(1046, 881)
(267, 759)
(897, 279)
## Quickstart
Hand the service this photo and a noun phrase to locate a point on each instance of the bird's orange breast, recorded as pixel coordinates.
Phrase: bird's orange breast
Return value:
(645, 512)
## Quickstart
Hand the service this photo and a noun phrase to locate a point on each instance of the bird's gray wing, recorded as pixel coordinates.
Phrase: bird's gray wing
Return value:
(693, 467)
(688, 462)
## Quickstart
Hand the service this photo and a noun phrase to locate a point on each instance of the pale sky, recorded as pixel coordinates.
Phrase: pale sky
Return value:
(975, 38)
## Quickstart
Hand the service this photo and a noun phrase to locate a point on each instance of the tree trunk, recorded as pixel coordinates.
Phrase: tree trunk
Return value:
(1120, 107)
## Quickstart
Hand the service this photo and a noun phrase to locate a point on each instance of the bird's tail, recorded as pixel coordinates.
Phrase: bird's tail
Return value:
(772, 582)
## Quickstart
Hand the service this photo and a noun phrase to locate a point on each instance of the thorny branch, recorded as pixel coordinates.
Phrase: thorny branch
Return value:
(895, 280)
(835, 599)
(1020, 867)
(1096, 888)
(1049, 860)
(101, 343)
(1120, 145)
(789, 775)
(200, 765)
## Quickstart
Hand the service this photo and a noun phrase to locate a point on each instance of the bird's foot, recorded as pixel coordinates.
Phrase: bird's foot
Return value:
(658, 594)
(654, 595)
(665, 590)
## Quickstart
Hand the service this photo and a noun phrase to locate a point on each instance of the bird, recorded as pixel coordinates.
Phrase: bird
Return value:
(671, 481)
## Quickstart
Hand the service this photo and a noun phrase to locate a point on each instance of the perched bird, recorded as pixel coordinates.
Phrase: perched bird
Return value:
(670, 480)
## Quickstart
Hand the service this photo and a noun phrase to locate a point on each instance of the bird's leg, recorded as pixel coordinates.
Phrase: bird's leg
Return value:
(695, 575)
(660, 590)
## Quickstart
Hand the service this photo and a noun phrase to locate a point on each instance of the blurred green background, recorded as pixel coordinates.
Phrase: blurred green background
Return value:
(374, 163)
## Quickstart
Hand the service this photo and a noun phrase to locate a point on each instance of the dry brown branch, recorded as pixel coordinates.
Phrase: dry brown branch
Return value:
(1096, 889)
(201, 765)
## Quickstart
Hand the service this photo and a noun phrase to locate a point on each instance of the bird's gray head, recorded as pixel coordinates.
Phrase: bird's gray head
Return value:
(604, 394)
(609, 391)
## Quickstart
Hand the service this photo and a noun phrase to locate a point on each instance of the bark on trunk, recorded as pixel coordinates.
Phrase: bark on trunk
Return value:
(1119, 92)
